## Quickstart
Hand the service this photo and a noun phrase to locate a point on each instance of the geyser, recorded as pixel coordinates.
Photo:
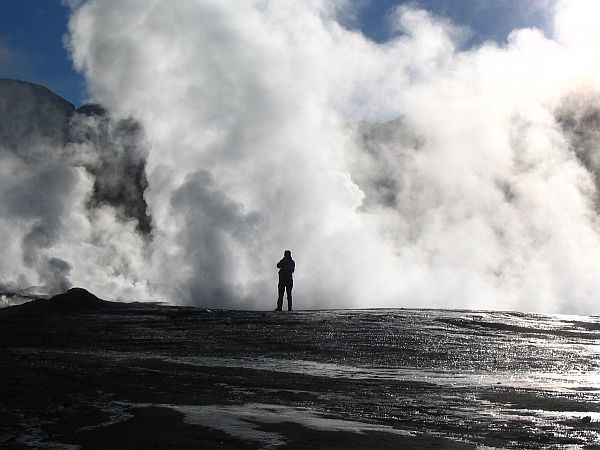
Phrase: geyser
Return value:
(405, 173)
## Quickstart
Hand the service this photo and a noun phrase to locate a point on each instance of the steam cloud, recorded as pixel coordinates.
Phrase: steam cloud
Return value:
(71, 195)
(404, 173)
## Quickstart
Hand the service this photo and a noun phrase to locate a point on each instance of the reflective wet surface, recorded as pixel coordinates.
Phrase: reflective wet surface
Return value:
(435, 378)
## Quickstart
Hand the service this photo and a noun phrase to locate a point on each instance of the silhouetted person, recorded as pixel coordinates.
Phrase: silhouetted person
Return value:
(286, 282)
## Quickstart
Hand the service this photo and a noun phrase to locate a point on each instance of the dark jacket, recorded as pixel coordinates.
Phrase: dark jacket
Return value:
(286, 269)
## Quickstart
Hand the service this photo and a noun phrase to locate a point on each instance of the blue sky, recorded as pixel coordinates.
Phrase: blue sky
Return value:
(32, 31)
(31, 46)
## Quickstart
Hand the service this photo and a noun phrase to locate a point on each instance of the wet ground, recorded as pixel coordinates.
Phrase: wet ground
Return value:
(166, 377)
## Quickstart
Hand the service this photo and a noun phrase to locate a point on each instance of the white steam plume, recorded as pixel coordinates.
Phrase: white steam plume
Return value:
(71, 207)
(473, 182)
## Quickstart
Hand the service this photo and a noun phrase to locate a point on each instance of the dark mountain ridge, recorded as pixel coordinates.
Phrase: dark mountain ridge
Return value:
(40, 127)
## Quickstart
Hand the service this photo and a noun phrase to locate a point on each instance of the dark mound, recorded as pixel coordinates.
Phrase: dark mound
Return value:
(92, 109)
(74, 301)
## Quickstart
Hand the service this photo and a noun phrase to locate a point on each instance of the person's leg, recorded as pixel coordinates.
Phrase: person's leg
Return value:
(288, 289)
(280, 289)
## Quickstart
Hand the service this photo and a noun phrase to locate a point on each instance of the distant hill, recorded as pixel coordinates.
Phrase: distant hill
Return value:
(74, 301)
(29, 113)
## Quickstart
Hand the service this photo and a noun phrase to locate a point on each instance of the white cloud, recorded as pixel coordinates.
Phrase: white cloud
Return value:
(5, 54)
(11, 59)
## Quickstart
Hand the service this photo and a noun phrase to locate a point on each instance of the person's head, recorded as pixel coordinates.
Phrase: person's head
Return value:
(287, 254)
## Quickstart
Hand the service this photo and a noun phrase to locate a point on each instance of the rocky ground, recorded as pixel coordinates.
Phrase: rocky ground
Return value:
(103, 375)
